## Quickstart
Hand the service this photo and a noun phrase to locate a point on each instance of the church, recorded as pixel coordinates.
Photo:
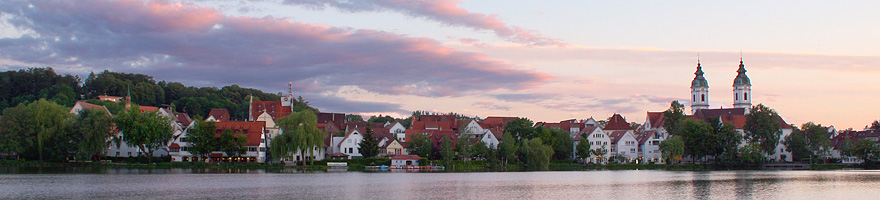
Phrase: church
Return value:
(742, 103)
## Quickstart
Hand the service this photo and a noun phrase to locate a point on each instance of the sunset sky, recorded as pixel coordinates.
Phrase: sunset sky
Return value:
(546, 60)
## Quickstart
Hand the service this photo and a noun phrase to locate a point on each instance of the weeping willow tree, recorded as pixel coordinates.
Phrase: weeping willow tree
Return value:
(300, 134)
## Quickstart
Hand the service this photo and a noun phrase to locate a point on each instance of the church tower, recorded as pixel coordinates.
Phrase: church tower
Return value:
(742, 89)
(699, 91)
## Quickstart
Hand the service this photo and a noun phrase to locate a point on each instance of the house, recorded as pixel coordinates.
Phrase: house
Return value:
(572, 126)
(218, 115)
(435, 127)
(649, 146)
(623, 143)
(110, 98)
(119, 148)
(354, 135)
(737, 117)
(599, 142)
(255, 147)
(391, 147)
(81, 105)
(405, 161)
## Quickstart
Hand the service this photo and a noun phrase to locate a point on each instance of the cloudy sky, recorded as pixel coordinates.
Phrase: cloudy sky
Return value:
(546, 60)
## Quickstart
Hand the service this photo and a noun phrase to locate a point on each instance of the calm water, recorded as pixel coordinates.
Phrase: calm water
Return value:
(258, 184)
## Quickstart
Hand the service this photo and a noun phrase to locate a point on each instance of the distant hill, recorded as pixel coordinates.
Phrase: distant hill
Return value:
(28, 85)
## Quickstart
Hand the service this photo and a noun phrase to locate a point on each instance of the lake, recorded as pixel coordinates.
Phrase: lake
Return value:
(260, 184)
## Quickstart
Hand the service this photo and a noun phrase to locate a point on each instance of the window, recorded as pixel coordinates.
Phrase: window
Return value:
(632, 150)
(262, 149)
(252, 148)
(746, 96)
(350, 150)
(702, 97)
(183, 139)
(735, 97)
(695, 98)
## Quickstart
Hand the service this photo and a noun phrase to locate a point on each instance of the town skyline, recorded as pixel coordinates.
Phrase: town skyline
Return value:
(548, 61)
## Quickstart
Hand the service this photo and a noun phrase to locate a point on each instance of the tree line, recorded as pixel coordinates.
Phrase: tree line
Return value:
(28, 85)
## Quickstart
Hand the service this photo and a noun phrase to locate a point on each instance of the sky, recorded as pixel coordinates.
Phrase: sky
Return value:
(546, 60)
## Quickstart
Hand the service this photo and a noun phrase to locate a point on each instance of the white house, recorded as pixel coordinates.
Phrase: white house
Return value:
(623, 143)
(599, 141)
(649, 146)
(350, 142)
(119, 148)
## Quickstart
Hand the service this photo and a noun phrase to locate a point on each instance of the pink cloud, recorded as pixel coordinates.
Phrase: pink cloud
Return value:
(443, 11)
(178, 42)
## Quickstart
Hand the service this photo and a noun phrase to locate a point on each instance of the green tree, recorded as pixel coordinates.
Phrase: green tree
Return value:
(725, 141)
(875, 125)
(231, 144)
(520, 129)
(537, 154)
(420, 145)
(89, 132)
(600, 152)
(796, 143)
(480, 151)
(354, 118)
(762, 128)
(752, 154)
(447, 151)
(507, 149)
(817, 139)
(147, 131)
(202, 138)
(369, 146)
(697, 137)
(36, 130)
(672, 147)
(865, 149)
(562, 144)
(583, 149)
(304, 135)
(673, 116)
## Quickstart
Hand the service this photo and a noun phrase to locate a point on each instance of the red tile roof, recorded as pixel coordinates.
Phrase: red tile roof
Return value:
(148, 108)
(616, 136)
(617, 122)
(219, 114)
(656, 119)
(253, 130)
(183, 118)
(274, 109)
(406, 157)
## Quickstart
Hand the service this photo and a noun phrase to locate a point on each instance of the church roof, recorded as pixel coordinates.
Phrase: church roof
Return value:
(741, 77)
(699, 80)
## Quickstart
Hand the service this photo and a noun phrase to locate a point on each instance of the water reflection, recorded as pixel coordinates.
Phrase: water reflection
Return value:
(117, 183)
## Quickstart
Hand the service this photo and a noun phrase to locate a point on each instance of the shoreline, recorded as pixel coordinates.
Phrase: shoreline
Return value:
(84, 167)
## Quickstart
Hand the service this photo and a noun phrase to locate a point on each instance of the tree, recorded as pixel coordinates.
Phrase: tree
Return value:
(420, 145)
(369, 146)
(36, 130)
(354, 118)
(89, 132)
(447, 151)
(583, 149)
(865, 149)
(762, 127)
(875, 125)
(201, 138)
(507, 149)
(147, 131)
(697, 138)
(725, 142)
(480, 150)
(231, 144)
(537, 154)
(303, 134)
(752, 154)
(520, 129)
(672, 148)
(600, 152)
(817, 138)
(562, 144)
(796, 143)
(464, 149)
(673, 116)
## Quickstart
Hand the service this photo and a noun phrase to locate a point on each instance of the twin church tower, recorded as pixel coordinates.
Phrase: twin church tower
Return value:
(742, 88)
